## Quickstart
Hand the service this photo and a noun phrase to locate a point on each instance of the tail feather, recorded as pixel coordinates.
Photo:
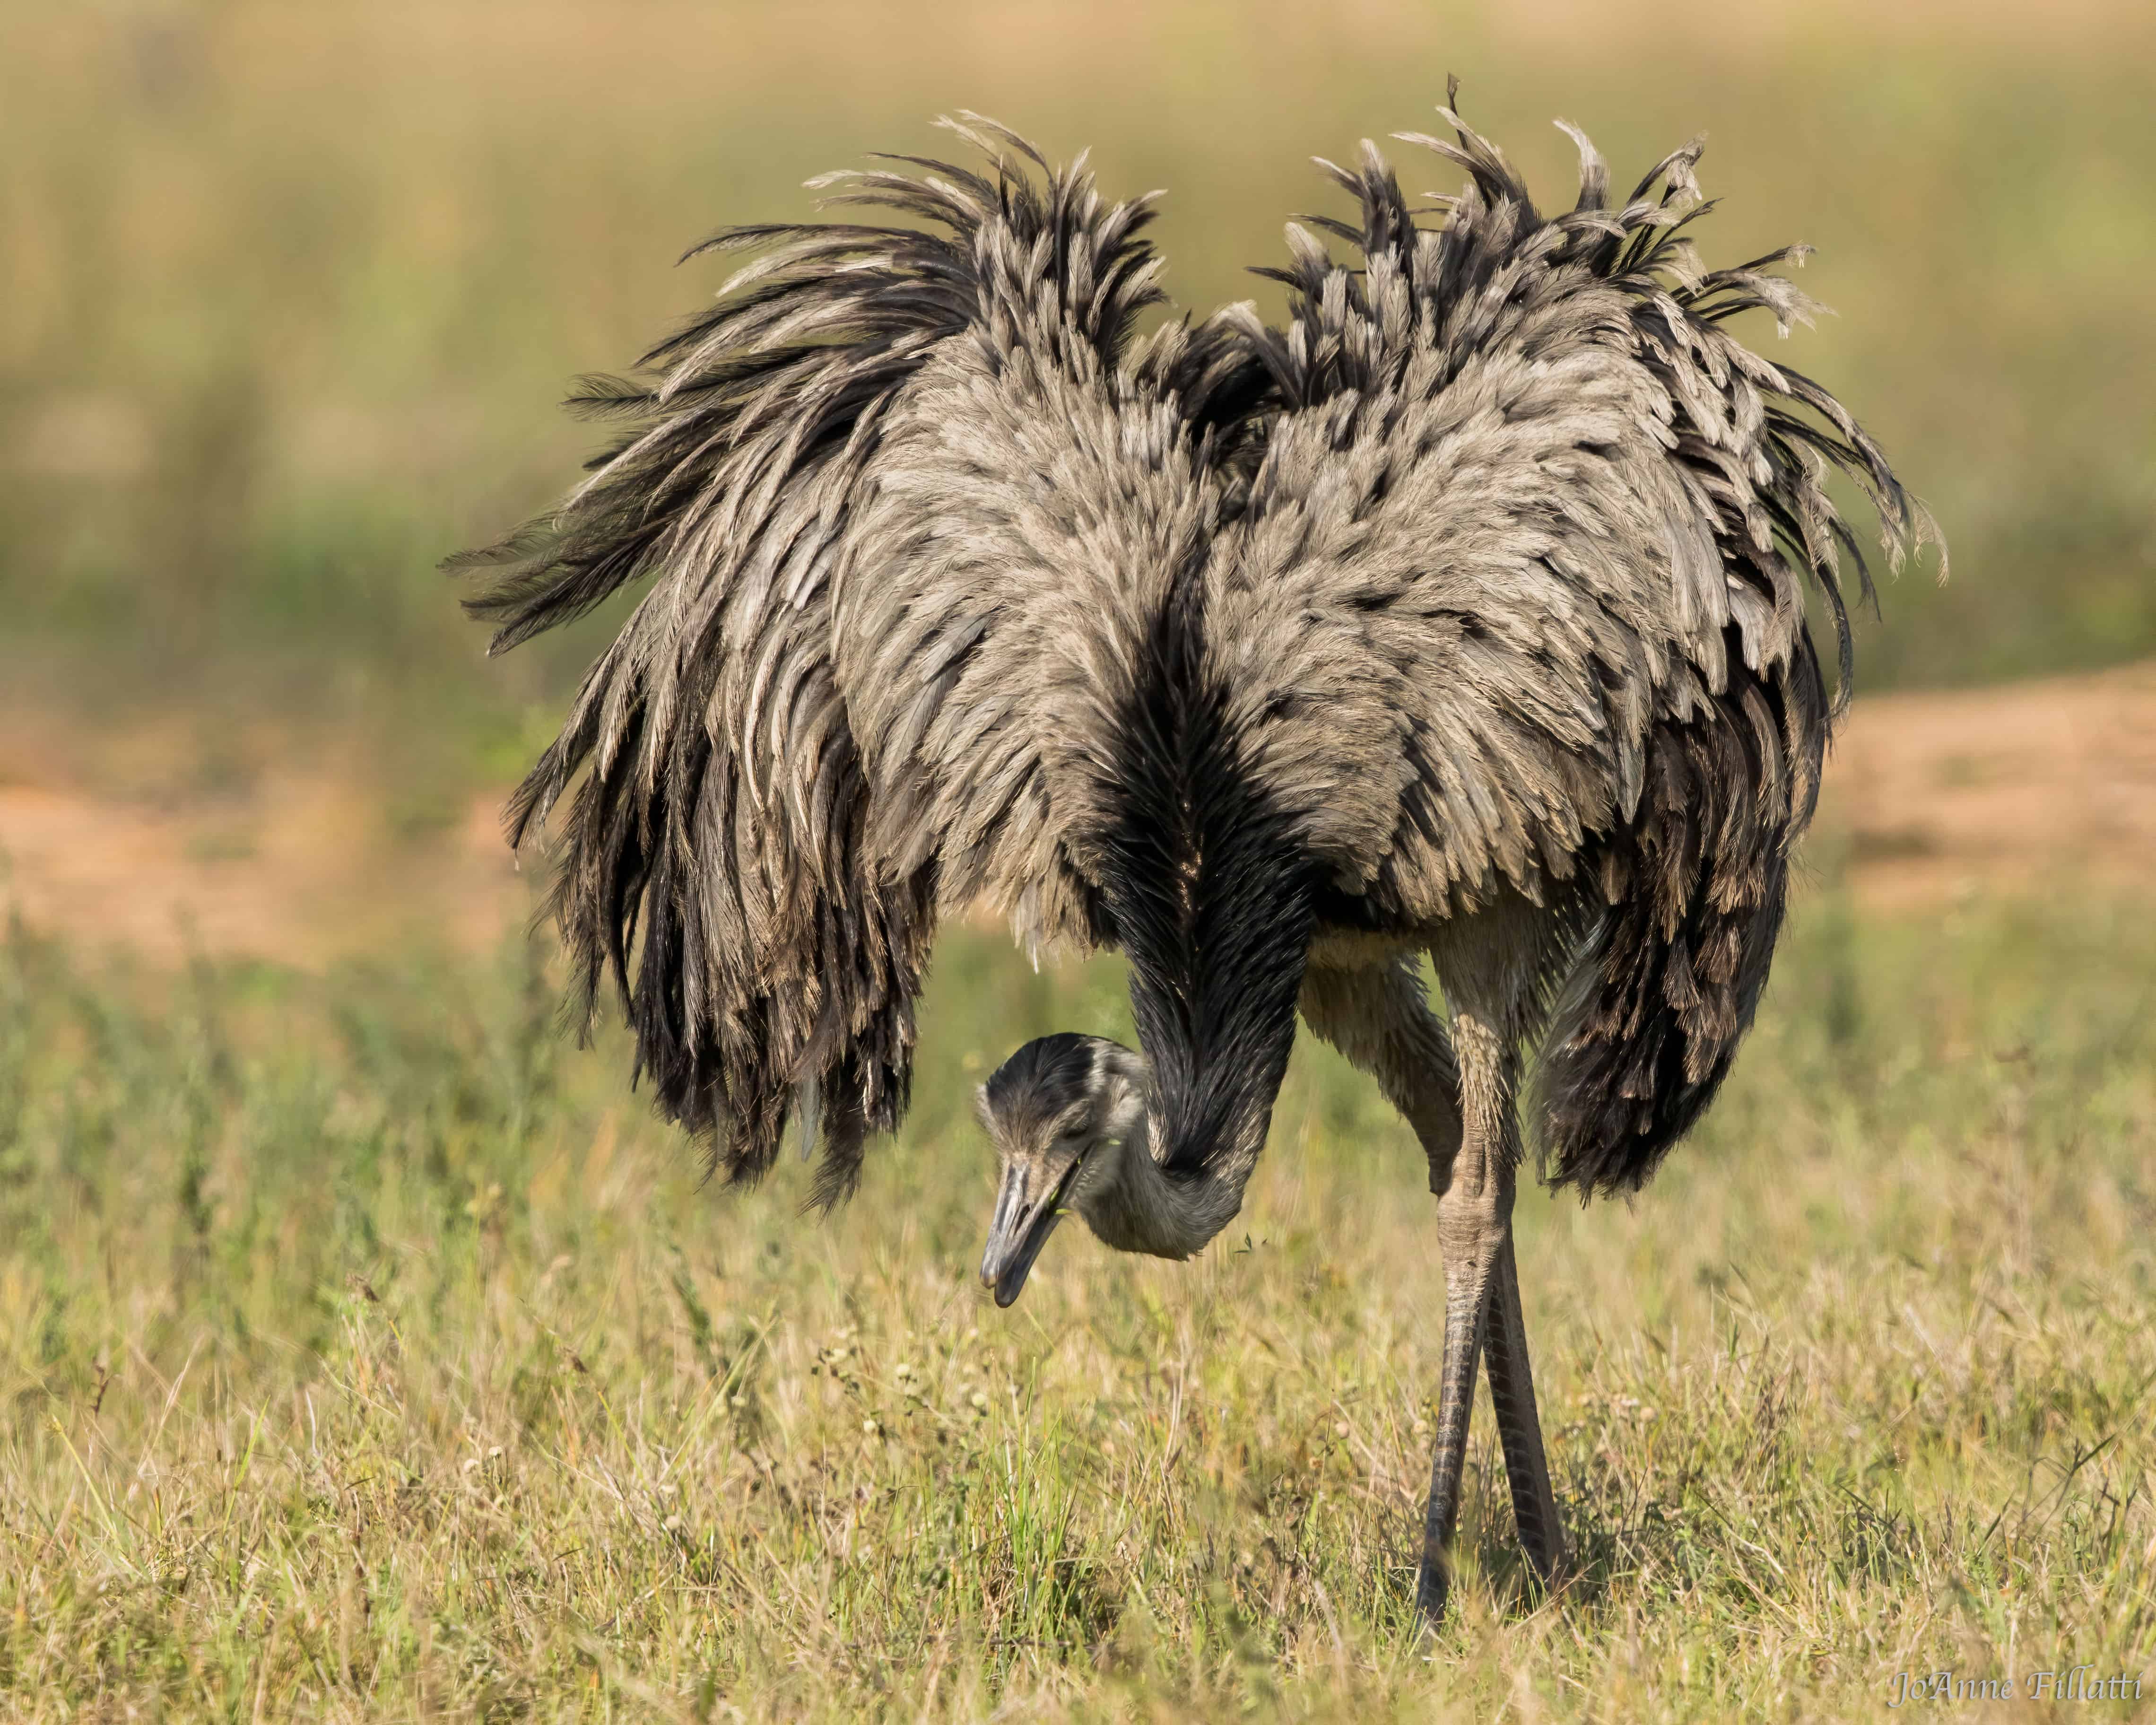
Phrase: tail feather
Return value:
(1668, 984)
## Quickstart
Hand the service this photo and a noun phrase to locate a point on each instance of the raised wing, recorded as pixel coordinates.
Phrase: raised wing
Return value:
(902, 501)
(1519, 601)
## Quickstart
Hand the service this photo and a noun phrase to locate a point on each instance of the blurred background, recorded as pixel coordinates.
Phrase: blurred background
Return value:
(290, 294)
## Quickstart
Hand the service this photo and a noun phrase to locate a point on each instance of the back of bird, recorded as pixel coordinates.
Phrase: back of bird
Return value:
(1519, 604)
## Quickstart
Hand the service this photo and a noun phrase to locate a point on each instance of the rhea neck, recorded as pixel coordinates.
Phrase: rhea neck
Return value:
(1178, 1135)
(1130, 1201)
(1214, 983)
(1203, 883)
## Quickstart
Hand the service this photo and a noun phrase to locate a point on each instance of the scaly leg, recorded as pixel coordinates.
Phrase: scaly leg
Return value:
(1474, 1226)
(1513, 1395)
(1378, 1016)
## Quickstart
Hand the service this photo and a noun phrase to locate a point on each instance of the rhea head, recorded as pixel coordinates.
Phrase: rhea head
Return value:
(1068, 1117)
(1062, 1113)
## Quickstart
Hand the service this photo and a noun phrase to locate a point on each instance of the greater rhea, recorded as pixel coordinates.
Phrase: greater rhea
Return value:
(1463, 616)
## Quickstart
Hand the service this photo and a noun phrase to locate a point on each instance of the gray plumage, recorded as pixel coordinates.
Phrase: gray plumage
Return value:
(910, 498)
(1463, 613)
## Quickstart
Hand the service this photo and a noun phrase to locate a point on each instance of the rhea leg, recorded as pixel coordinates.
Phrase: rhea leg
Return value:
(1473, 1228)
(1379, 1018)
(1512, 1397)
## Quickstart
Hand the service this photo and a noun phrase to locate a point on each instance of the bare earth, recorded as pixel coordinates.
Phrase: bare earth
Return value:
(1931, 798)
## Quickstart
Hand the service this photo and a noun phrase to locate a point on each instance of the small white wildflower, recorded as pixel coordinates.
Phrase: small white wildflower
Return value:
(1340, 1429)
(870, 1427)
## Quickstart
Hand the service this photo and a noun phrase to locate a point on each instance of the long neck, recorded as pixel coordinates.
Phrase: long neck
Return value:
(1134, 1204)
(1211, 897)
(1174, 1216)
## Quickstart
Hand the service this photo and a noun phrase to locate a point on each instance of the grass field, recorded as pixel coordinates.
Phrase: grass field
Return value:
(368, 1352)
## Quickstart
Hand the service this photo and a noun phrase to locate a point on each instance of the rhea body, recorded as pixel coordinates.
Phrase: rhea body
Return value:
(1461, 616)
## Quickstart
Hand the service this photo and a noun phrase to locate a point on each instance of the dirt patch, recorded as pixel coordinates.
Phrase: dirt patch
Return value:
(2023, 788)
(259, 845)
(1930, 799)
(307, 879)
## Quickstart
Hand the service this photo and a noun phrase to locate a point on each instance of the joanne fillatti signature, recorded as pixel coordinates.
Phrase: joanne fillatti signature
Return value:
(2078, 1682)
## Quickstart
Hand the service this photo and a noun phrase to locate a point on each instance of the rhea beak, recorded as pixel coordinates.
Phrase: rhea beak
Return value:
(1020, 1228)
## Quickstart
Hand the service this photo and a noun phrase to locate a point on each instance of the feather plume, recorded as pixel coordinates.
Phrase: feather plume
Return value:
(1522, 594)
(770, 788)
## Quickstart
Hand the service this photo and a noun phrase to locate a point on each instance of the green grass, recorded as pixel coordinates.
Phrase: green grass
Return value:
(367, 1351)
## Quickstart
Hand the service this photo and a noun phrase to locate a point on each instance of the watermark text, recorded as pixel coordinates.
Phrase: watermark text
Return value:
(2079, 1682)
